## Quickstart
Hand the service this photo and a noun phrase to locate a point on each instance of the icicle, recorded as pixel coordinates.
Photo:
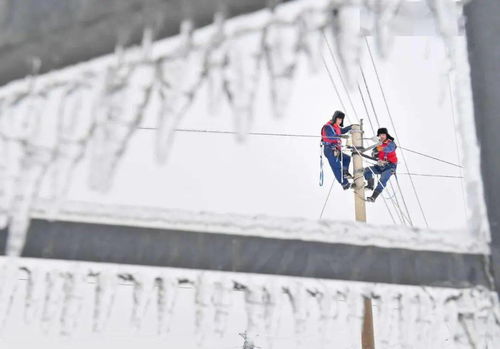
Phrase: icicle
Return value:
(9, 275)
(281, 52)
(204, 308)
(311, 40)
(35, 294)
(181, 78)
(388, 319)
(255, 309)
(76, 121)
(73, 300)
(347, 31)
(492, 334)
(40, 149)
(385, 12)
(125, 98)
(222, 302)
(214, 63)
(454, 322)
(144, 284)
(445, 15)
(147, 43)
(427, 317)
(467, 313)
(27, 160)
(412, 310)
(167, 294)
(106, 284)
(52, 306)
(273, 296)
(297, 296)
(329, 311)
(488, 319)
(409, 319)
(340, 323)
(186, 37)
(241, 78)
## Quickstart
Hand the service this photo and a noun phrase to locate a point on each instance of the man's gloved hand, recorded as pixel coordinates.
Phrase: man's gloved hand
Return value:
(382, 163)
(336, 153)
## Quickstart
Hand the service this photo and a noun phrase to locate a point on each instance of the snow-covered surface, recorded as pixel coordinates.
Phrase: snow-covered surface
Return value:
(445, 14)
(328, 231)
(79, 126)
(98, 304)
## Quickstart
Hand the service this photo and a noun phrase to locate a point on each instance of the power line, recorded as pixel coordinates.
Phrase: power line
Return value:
(340, 74)
(271, 134)
(334, 85)
(395, 202)
(395, 132)
(366, 108)
(396, 205)
(369, 96)
(234, 132)
(431, 175)
(328, 197)
(352, 105)
(431, 157)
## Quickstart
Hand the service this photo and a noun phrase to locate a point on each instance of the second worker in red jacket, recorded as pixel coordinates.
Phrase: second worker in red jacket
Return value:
(386, 165)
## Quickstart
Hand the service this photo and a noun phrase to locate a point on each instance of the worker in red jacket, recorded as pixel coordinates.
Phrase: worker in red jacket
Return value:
(387, 162)
(332, 148)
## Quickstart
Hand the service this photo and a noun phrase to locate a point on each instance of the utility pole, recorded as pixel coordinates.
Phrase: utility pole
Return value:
(367, 333)
(359, 181)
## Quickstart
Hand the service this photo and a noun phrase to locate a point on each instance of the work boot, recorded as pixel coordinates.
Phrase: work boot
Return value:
(347, 174)
(374, 196)
(371, 184)
(346, 186)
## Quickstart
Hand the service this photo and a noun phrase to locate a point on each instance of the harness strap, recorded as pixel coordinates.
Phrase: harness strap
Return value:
(321, 174)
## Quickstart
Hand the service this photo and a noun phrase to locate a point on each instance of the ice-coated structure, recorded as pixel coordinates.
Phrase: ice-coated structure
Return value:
(74, 298)
(48, 123)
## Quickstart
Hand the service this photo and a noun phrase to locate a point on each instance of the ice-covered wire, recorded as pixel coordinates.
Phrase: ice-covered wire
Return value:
(431, 157)
(369, 95)
(395, 132)
(396, 203)
(270, 134)
(366, 109)
(431, 175)
(326, 201)
(334, 85)
(340, 74)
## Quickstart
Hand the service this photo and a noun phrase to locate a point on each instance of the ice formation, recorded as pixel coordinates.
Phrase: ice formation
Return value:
(328, 231)
(48, 123)
(327, 312)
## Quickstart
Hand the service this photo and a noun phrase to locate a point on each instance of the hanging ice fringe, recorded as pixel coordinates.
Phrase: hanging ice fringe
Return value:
(180, 79)
(347, 32)
(58, 299)
(241, 77)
